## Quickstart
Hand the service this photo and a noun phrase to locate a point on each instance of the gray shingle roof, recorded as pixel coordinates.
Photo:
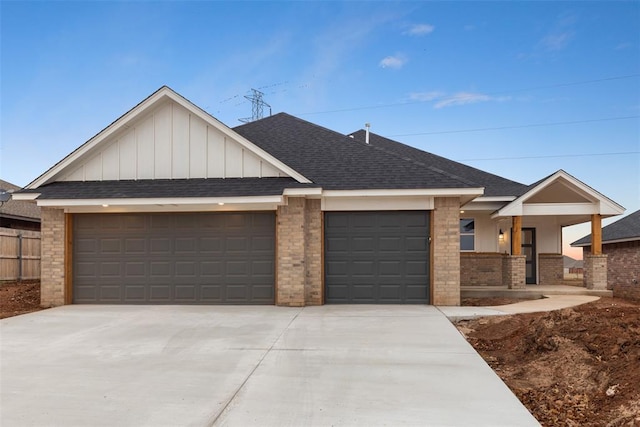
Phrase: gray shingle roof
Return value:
(20, 209)
(338, 162)
(494, 185)
(627, 228)
(167, 188)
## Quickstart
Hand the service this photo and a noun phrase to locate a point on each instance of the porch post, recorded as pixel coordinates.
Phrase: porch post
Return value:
(516, 238)
(596, 234)
(595, 263)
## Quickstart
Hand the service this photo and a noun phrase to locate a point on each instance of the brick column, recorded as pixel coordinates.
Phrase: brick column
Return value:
(52, 262)
(514, 271)
(290, 257)
(595, 271)
(446, 251)
(313, 253)
(551, 269)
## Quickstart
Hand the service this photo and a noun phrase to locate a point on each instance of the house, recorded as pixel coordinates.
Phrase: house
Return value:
(573, 268)
(19, 236)
(621, 247)
(169, 205)
(18, 214)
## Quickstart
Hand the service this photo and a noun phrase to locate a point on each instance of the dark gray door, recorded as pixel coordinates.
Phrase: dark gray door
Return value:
(174, 258)
(377, 257)
(529, 250)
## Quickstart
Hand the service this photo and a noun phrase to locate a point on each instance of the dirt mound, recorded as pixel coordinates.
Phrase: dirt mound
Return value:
(573, 367)
(19, 298)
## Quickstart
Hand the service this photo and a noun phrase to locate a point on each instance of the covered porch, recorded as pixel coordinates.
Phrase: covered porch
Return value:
(516, 245)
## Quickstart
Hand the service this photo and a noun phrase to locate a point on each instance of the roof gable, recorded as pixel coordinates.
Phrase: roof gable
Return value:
(166, 137)
(560, 194)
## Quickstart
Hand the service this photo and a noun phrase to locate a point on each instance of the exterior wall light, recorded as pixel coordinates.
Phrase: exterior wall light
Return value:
(501, 235)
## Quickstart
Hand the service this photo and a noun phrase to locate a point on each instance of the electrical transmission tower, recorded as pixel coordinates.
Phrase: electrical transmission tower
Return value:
(257, 106)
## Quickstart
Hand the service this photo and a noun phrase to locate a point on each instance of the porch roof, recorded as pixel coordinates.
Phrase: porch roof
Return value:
(563, 196)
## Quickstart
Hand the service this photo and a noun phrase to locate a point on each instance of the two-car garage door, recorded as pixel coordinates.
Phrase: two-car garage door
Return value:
(174, 258)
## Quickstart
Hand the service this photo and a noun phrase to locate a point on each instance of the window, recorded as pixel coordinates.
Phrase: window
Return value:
(467, 234)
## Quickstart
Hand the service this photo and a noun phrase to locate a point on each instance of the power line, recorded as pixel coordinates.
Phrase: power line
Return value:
(530, 125)
(394, 104)
(622, 153)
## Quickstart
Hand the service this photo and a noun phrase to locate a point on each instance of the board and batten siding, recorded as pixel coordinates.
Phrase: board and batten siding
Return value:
(171, 143)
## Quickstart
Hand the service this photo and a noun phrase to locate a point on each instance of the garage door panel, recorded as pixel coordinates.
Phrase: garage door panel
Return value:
(186, 258)
(211, 293)
(135, 269)
(110, 293)
(377, 257)
(135, 293)
(185, 293)
(160, 293)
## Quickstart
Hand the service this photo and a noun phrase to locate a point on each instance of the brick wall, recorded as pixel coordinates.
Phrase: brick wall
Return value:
(514, 271)
(446, 251)
(481, 268)
(313, 253)
(623, 268)
(551, 267)
(52, 257)
(290, 253)
(299, 253)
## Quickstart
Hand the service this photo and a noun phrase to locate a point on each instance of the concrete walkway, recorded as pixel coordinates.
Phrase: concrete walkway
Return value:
(246, 366)
(548, 303)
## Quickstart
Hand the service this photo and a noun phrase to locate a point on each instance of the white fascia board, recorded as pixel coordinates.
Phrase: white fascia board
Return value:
(482, 199)
(24, 196)
(606, 242)
(438, 192)
(163, 201)
(482, 206)
(142, 108)
(302, 192)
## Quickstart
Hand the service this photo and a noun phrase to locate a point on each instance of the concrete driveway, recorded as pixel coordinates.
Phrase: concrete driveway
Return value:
(243, 366)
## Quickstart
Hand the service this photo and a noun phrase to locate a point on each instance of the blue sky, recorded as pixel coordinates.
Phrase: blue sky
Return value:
(520, 89)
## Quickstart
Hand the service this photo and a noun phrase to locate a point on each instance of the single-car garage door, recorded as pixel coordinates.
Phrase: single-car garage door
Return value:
(174, 258)
(377, 257)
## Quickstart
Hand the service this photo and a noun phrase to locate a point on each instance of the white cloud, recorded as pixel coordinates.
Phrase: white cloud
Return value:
(396, 62)
(556, 41)
(464, 98)
(420, 29)
(425, 96)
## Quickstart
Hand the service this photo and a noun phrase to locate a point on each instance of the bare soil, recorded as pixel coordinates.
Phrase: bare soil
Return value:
(19, 298)
(488, 302)
(578, 366)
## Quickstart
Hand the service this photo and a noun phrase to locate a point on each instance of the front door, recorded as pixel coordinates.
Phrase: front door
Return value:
(529, 250)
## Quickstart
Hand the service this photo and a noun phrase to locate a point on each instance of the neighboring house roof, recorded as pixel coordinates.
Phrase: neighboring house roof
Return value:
(623, 230)
(18, 209)
(494, 185)
(337, 162)
(167, 188)
(572, 262)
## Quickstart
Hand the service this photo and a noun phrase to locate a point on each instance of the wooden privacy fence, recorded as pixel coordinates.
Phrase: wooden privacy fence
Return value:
(19, 254)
